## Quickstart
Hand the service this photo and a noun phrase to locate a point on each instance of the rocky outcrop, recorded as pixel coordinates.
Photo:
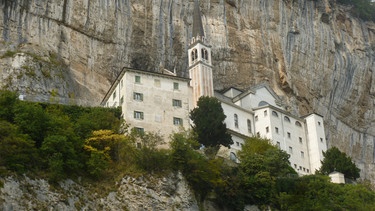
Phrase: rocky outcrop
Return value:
(168, 193)
(312, 52)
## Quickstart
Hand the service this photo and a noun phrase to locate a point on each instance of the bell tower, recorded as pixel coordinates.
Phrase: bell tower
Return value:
(199, 54)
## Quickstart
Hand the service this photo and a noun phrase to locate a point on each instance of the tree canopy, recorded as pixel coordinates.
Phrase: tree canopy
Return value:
(208, 118)
(335, 160)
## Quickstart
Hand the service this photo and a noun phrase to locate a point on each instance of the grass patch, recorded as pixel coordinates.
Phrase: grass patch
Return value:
(8, 54)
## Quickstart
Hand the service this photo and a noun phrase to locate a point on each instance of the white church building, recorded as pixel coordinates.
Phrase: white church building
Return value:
(161, 102)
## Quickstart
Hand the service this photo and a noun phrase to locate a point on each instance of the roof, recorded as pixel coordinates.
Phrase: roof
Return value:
(197, 21)
(128, 69)
(224, 99)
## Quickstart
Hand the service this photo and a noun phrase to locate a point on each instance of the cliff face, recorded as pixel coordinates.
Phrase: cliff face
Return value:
(168, 193)
(313, 53)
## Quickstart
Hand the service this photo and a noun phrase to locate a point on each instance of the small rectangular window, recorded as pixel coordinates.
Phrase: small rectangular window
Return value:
(138, 96)
(302, 154)
(277, 130)
(177, 121)
(139, 130)
(289, 135)
(258, 134)
(265, 113)
(137, 79)
(122, 100)
(300, 140)
(321, 140)
(319, 123)
(238, 143)
(175, 86)
(157, 83)
(249, 125)
(138, 115)
(267, 129)
(114, 95)
(121, 84)
(256, 118)
(290, 150)
(278, 144)
(176, 103)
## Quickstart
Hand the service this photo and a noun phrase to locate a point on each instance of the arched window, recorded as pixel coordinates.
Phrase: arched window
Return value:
(286, 119)
(235, 120)
(298, 124)
(263, 103)
(204, 54)
(274, 113)
(194, 55)
(233, 156)
(249, 125)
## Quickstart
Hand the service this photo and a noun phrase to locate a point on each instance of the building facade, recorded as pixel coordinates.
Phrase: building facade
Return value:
(161, 102)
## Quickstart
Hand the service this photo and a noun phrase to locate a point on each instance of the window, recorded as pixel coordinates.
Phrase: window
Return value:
(249, 125)
(157, 83)
(278, 144)
(177, 121)
(122, 100)
(175, 86)
(295, 165)
(290, 150)
(121, 84)
(258, 134)
(194, 55)
(238, 143)
(176, 103)
(321, 140)
(319, 123)
(138, 96)
(138, 115)
(298, 124)
(114, 95)
(256, 118)
(286, 119)
(204, 54)
(267, 129)
(307, 170)
(235, 120)
(304, 169)
(137, 79)
(139, 130)
(288, 134)
(302, 154)
(277, 130)
(265, 113)
(274, 113)
(300, 140)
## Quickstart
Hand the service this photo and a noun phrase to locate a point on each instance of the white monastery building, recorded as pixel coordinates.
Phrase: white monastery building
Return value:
(161, 102)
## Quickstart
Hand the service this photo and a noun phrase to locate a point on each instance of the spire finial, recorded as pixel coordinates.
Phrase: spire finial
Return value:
(197, 21)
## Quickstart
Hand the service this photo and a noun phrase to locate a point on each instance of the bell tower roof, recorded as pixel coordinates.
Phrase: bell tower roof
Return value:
(197, 21)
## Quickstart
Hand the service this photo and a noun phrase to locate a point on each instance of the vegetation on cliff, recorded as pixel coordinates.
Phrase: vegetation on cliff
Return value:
(364, 9)
(57, 142)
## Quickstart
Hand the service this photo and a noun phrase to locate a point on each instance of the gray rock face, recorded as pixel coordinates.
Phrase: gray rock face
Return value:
(313, 53)
(169, 193)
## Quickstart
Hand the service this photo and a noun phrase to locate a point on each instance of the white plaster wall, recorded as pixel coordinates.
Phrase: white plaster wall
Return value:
(243, 116)
(316, 140)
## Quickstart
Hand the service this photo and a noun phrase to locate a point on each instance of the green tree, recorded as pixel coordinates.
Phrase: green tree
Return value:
(60, 156)
(335, 160)
(202, 174)
(32, 120)
(17, 151)
(209, 126)
(260, 165)
(7, 101)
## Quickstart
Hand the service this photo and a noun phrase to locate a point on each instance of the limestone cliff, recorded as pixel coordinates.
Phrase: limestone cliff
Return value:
(314, 54)
(168, 193)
